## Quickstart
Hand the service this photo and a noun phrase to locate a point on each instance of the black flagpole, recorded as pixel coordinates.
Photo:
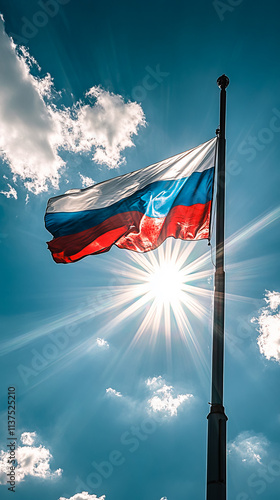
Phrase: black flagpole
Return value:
(216, 451)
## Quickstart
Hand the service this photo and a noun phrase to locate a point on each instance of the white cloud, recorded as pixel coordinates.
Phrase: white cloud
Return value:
(268, 323)
(113, 392)
(4, 466)
(86, 181)
(31, 461)
(84, 496)
(28, 438)
(12, 193)
(102, 342)
(34, 131)
(273, 300)
(34, 461)
(163, 399)
(27, 130)
(163, 498)
(249, 448)
(108, 126)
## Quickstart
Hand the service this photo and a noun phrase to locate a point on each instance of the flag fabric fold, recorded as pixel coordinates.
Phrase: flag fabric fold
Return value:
(136, 211)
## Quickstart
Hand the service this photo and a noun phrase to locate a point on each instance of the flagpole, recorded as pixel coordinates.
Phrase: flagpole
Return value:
(216, 450)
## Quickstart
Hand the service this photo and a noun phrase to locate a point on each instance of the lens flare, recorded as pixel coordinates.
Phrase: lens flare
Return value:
(160, 287)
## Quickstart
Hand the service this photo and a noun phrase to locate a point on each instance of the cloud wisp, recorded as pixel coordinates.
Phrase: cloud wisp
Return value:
(102, 343)
(268, 323)
(249, 448)
(86, 181)
(113, 393)
(164, 400)
(34, 131)
(10, 193)
(28, 438)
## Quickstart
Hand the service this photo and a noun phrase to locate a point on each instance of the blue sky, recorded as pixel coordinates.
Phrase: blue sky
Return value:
(143, 78)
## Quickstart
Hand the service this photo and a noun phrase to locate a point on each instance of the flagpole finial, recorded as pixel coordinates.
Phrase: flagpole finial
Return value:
(223, 82)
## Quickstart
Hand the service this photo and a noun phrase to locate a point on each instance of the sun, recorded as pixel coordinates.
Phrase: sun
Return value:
(166, 283)
(162, 290)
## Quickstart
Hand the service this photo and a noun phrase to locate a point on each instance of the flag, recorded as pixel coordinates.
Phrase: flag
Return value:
(138, 210)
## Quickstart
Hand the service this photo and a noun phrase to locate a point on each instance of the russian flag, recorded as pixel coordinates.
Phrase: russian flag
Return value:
(138, 210)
